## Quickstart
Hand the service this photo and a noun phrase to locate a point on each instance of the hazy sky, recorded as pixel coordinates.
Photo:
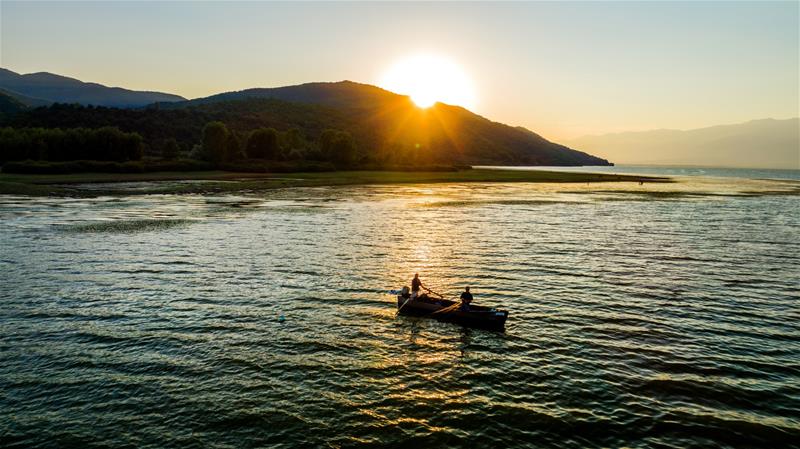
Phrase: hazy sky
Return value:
(561, 69)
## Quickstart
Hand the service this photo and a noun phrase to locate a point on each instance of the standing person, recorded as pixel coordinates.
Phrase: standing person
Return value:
(416, 283)
(466, 298)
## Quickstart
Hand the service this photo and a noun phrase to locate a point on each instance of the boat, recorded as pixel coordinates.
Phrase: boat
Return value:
(476, 316)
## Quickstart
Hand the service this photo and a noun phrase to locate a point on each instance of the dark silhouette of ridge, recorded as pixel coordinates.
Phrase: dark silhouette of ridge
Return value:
(383, 120)
(384, 125)
(337, 94)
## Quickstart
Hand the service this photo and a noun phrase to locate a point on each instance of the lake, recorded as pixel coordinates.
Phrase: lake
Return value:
(677, 171)
(640, 316)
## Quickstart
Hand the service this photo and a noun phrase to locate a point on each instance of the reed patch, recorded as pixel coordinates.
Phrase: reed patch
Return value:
(124, 226)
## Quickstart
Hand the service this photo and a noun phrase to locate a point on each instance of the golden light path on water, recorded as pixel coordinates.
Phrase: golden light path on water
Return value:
(654, 315)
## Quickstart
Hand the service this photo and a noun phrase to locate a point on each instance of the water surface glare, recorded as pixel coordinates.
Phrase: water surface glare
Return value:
(637, 319)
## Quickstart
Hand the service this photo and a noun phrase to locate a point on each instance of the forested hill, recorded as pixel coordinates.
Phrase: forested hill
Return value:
(9, 104)
(344, 94)
(385, 127)
(388, 121)
(23, 100)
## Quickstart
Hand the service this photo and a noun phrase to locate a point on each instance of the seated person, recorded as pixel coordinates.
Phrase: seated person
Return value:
(466, 298)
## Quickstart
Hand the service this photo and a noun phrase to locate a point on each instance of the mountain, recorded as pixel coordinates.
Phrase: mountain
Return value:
(383, 120)
(767, 143)
(10, 105)
(344, 94)
(387, 127)
(27, 102)
(61, 89)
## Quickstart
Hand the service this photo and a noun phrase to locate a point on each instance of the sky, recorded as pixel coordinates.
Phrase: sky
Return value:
(562, 69)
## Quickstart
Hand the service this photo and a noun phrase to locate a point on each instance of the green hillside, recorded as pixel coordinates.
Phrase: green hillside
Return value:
(386, 127)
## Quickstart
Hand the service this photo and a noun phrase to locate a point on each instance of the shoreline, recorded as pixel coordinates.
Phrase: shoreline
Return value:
(230, 182)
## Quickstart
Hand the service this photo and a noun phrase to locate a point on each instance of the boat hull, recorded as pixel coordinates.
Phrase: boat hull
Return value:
(477, 316)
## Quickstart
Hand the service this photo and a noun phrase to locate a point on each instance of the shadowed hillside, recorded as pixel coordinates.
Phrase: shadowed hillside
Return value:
(387, 122)
(345, 94)
(399, 122)
(10, 105)
(25, 101)
(386, 128)
(383, 124)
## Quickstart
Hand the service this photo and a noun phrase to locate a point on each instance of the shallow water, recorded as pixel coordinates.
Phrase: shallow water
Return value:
(637, 319)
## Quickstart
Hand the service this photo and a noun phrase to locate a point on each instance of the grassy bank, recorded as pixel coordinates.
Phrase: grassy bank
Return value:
(224, 182)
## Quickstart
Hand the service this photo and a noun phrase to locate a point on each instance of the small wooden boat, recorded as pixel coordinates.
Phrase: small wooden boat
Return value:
(476, 316)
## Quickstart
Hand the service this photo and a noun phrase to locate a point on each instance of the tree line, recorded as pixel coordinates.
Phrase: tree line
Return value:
(56, 144)
(302, 131)
(218, 145)
(246, 132)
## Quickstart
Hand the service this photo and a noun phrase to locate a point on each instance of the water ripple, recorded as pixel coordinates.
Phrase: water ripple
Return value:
(251, 321)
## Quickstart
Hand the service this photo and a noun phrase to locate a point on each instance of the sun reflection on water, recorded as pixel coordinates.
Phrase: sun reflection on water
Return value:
(630, 305)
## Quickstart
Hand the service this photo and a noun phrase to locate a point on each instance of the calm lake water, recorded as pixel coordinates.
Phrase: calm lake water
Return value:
(678, 171)
(641, 316)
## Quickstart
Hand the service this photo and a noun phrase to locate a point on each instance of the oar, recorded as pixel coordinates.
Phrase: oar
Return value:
(437, 294)
(409, 299)
(401, 307)
(447, 309)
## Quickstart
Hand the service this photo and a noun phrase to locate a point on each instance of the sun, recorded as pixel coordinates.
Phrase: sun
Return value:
(428, 79)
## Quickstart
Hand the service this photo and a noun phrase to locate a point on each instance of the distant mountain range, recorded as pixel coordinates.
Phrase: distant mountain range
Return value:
(380, 121)
(35, 89)
(767, 143)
